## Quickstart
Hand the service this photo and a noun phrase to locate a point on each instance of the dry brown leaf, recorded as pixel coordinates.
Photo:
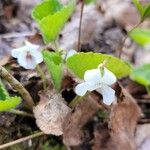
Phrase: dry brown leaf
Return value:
(4, 60)
(51, 112)
(119, 135)
(119, 11)
(73, 133)
(143, 137)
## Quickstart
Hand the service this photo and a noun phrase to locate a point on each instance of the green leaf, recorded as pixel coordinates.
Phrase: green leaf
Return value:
(81, 62)
(139, 6)
(3, 92)
(53, 62)
(146, 12)
(143, 10)
(9, 103)
(141, 74)
(140, 36)
(88, 1)
(51, 22)
(46, 8)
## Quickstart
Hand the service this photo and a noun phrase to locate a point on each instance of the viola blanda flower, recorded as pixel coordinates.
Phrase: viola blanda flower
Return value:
(28, 56)
(95, 79)
(68, 54)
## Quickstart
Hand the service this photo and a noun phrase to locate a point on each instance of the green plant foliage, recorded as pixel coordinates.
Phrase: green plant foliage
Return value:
(81, 62)
(140, 36)
(88, 1)
(51, 17)
(9, 103)
(141, 74)
(143, 10)
(139, 6)
(46, 8)
(53, 62)
(3, 92)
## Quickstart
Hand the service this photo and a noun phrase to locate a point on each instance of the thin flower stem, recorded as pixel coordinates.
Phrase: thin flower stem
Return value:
(22, 113)
(17, 86)
(21, 140)
(80, 26)
(56, 45)
(42, 75)
(148, 89)
(124, 40)
(77, 100)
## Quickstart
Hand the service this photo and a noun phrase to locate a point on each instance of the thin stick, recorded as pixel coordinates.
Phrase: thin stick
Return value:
(22, 113)
(124, 40)
(17, 86)
(21, 140)
(80, 26)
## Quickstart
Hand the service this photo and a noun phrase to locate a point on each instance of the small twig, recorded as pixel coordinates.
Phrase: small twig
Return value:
(22, 113)
(17, 86)
(17, 35)
(124, 40)
(80, 26)
(21, 140)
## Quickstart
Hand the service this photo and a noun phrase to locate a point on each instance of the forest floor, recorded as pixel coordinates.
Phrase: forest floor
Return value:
(104, 26)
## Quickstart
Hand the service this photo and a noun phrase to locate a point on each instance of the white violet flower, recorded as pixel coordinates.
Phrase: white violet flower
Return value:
(66, 55)
(28, 56)
(71, 53)
(94, 79)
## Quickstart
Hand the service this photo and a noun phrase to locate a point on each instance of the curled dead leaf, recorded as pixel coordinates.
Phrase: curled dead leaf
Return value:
(119, 133)
(142, 137)
(51, 112)
(74, 134)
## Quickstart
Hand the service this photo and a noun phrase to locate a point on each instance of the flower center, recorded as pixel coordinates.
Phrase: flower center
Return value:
(29, 56)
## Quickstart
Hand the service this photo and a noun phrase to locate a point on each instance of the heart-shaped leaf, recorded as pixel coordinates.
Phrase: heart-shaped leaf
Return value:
(81, 62)
(53, 62)
(51, 17)
(46, 8)
(9, 103)
(141, 36)
(141, 74)
(3, 92)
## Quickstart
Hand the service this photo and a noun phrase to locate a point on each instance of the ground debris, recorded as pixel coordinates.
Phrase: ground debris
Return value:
(119, 134)
(51, 112)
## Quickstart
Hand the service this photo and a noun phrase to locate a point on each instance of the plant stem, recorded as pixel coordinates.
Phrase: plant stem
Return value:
(17, 86)
(21, 140)
(77, 100)
(22, 113)
(148, 89)
(80, 26)
(39, 70)
(124, 40)
(56, 45)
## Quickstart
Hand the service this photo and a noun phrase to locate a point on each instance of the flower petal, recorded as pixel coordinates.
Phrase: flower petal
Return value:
(108, 94)
(108, 78)
(81, 89)
(92, 75)
(91, 86)
(25, 62)
(15, 52)
(37, 56)
(31, 46)
(71, 53)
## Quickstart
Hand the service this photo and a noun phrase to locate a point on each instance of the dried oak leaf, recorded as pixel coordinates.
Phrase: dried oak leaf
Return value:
(73, 133)
(142, 137)
(51, 112)
(119, 134)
